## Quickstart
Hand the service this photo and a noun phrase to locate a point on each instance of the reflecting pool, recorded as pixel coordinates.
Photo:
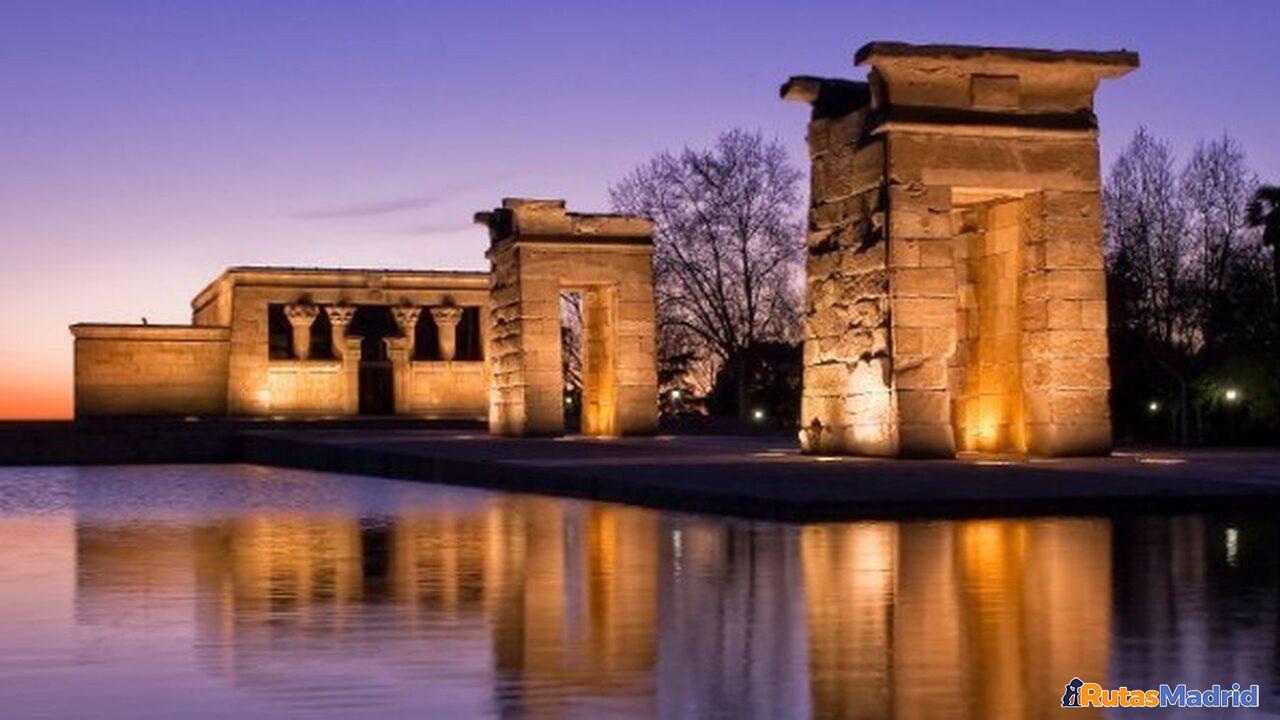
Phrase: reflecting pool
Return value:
(247, 592)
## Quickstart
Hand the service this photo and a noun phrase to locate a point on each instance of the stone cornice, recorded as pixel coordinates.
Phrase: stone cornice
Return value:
(165, 333)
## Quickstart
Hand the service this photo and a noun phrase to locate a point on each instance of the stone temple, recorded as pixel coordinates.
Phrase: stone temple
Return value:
(955, 284)
(956, 292)
(299, 342)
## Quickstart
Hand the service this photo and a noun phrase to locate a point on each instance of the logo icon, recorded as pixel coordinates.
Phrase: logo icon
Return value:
(1071, 697)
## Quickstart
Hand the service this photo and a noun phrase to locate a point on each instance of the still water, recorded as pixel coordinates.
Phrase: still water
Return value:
(238, 591)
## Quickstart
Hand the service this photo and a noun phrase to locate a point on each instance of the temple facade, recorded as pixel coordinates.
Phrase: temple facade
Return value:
(295, 341)
(955, 282)
(310, 342)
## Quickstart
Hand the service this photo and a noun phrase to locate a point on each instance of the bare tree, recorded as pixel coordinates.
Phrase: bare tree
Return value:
(1146, 239)
(1147, 261)
(571, 341)
(728, 245)
(1216, 187)
(1188, 285)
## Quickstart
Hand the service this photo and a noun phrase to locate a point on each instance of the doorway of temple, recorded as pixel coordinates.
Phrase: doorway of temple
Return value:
(373, 324)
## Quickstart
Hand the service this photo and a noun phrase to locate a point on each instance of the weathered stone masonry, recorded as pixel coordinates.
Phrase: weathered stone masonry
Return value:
(539, 251)
(955, 281)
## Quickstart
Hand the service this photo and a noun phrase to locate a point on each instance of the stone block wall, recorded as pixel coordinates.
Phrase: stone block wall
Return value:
(847, 402)
(448, 389)
(956, 293)
(313, 387)
(150, 370)
(539, 251)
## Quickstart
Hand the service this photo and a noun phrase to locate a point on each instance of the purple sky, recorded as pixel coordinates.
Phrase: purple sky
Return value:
(144, 146)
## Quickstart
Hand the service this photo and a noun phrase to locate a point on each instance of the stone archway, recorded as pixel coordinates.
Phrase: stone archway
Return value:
(538, 251)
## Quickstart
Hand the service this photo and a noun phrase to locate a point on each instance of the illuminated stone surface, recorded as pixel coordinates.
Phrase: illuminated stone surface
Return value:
(539, 251)
(259, 346)
(446, 318)
(225, 362)
(956, 292)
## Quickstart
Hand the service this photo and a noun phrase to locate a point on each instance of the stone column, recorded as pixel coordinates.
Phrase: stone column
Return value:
(400, 353)
(446, 318)
(407, 318)
(301, 317)
(340, 317)
(350, 354)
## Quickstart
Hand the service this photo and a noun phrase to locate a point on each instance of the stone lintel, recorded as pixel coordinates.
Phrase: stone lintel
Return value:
(948, 120)
(526, 219)
(1105, 63)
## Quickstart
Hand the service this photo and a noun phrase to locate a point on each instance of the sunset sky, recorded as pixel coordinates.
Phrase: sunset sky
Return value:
(145, 146)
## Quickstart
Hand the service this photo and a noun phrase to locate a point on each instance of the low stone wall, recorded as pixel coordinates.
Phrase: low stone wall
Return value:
(448, 389)
(150, 370)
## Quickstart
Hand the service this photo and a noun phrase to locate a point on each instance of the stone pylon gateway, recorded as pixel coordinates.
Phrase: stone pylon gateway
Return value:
(956, 291)
(538, 252)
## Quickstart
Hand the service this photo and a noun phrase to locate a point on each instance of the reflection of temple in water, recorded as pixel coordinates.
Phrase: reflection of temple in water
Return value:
(974, 619)
(555, 601)
(557, 607)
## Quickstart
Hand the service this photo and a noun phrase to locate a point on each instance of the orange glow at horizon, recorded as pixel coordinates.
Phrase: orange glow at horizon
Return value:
(24, 396)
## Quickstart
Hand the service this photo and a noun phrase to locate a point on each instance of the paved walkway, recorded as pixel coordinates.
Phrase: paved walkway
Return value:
(765, 477)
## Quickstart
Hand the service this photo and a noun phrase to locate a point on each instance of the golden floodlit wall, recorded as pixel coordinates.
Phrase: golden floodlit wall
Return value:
(150, 370)
(956, 291)
(539, 251)
(224, 362)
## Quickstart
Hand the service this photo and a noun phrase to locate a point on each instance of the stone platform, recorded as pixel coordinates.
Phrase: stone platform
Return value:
(749, 476)
(765, 477)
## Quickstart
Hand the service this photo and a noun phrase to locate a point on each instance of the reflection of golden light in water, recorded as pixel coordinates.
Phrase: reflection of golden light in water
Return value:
(849, 584)
(977, 619)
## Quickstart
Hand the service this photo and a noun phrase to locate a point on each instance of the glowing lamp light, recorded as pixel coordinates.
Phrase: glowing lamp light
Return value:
(568, 401)
(1231, 395)
(675, 394)
(757, 415)
(1153, 407)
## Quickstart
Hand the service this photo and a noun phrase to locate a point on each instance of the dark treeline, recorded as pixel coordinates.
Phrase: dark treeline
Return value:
(1191, 285)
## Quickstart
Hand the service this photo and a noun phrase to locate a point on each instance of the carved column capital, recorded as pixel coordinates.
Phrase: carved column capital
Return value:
(340, 315)
(406, 317)
(446, 318)
(301, 317)
(301, 314)
(446, 315)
